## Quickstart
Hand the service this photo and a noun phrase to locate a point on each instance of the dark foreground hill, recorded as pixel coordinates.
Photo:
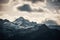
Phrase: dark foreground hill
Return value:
(22, 29)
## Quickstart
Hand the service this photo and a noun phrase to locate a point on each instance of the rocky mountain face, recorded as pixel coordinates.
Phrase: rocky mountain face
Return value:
(22, 29)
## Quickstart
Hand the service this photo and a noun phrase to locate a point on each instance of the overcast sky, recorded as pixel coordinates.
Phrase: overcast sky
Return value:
(33, 11)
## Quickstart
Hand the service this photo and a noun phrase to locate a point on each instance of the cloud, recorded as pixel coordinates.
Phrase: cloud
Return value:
(1, 14)
(4, 1)
(50, 22)
(25, 7)
(34, 1)
(53, 4)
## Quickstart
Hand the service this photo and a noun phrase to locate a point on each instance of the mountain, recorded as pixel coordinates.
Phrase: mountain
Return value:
(23, 22)
(22, 29)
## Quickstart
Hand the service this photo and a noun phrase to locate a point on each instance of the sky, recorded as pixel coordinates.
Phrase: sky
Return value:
(33, 11)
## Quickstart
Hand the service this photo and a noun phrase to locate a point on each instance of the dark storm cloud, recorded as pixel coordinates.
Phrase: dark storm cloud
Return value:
(33, 1)
(24, 7)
